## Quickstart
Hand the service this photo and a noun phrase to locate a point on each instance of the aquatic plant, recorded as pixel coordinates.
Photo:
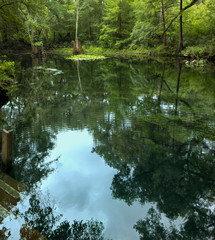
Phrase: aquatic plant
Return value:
(83, 57)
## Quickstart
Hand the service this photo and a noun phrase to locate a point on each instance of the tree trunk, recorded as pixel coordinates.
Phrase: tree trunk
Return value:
(77, 48)
(180, 43)
(76, 25)
(163, 22)
(180, 13)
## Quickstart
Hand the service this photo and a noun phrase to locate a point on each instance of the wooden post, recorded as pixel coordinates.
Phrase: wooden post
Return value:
(7, 148)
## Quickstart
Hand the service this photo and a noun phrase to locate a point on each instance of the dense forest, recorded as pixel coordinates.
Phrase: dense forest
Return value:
(93, 139)
(163, 26)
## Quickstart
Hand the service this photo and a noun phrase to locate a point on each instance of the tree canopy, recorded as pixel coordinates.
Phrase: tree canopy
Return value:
(160, 25)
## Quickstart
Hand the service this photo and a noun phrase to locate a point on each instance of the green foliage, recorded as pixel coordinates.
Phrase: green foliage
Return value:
(6, 70)
(38, 44)
(7, 75)
(200, 50)
(199, 21)
(86, 57)
(63, 51)
(145, 31)
(7, 67)
(119, 24)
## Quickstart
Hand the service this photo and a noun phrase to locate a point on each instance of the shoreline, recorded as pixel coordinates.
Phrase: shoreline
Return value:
(117, 53)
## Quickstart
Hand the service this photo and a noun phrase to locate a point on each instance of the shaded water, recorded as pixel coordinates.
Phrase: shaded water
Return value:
(127, 146)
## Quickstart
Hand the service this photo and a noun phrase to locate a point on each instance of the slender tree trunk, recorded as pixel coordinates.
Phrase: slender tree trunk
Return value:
(163, 22)
(180, 13)
(180, 44)
(76, 26)
(77, 45)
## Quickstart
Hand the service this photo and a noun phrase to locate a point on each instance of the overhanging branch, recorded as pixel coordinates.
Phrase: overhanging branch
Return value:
(180, 13)
(7, 4)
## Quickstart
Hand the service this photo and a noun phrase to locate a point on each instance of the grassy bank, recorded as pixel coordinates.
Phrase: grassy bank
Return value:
(195, 52)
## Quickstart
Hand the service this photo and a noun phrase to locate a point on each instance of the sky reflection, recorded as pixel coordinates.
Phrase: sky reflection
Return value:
(81, 184)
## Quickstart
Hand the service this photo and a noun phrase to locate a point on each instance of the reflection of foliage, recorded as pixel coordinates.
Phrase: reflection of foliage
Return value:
(152, 228)
(162, 146)
(4, 233)
(154, 167)
(30, 165)
(40, 216)
(198, 226)
(162, 151)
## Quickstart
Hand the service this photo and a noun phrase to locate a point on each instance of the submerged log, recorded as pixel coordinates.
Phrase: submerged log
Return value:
(77, 48)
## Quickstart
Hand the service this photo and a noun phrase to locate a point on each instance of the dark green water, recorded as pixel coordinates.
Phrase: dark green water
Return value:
(123, 149)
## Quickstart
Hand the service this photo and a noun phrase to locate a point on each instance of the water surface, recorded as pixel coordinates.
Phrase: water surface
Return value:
(124, 145)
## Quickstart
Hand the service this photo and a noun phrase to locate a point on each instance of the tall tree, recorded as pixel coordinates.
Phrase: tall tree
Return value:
(163, 21)
(180, 43)
(77, 45)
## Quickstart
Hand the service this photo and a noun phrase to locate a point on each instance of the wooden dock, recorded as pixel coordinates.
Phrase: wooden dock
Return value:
(10, 191)
(9, 194)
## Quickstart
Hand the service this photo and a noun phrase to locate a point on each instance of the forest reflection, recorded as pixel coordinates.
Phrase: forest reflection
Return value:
(151, 121)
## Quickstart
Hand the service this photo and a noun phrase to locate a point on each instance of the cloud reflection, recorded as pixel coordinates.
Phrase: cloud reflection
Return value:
(81, 187)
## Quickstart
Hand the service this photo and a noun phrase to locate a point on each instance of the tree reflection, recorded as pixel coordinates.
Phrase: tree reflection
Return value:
(42, 217)
(150, 121)
(196, 226)
(163, 156)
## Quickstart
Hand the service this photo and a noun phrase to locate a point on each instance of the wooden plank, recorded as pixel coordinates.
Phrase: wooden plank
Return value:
(12, 182)
(6, 200)
(8, 189)
(9, 196)
(4, 212)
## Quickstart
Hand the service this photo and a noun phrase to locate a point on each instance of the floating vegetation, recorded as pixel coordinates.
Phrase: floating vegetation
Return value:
(86, 57)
